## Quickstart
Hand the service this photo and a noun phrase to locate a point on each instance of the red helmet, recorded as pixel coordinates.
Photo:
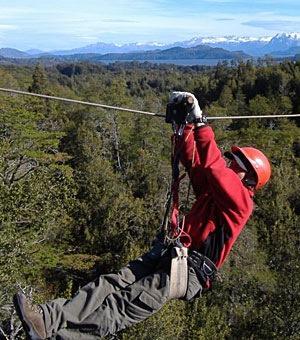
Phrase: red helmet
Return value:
(258, 162)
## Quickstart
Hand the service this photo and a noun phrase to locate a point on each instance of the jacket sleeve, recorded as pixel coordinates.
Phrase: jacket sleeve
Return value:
(189, 158)
(228, 191)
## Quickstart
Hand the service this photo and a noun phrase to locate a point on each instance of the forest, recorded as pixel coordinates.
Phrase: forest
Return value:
(82, 190)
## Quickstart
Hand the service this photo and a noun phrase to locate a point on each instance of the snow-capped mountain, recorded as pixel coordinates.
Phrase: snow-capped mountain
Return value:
(231, 43)
(103, 48)
(249, 45)
(284, 44)
(253, 46)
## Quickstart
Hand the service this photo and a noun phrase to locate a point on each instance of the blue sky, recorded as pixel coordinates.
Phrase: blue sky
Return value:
(67, 24)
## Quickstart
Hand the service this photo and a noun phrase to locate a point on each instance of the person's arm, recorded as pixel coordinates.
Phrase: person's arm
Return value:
(190, 159)
(184, 109)
(224, 184)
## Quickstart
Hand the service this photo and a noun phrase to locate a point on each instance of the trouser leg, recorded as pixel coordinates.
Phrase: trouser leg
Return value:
(194, 287)
(128, 306)
(121, 309)
(88, 299)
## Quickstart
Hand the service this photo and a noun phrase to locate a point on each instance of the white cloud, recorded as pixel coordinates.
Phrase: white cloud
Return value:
(279, 25)
(88, 39)
(120, 21)
(7, 27)
(258, 2)
(12, 12)
(223, 1)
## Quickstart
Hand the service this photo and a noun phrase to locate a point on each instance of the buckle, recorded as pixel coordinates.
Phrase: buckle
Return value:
(207, 270)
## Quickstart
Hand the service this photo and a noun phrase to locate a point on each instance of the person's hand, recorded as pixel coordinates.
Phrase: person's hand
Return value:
(195, 113)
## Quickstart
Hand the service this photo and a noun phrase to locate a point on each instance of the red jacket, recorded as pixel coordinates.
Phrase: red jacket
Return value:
(223, 204)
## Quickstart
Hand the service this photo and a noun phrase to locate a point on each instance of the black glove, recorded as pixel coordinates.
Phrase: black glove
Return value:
(204, 268)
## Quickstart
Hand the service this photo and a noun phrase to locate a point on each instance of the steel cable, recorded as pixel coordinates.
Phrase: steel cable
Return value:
(117, 108)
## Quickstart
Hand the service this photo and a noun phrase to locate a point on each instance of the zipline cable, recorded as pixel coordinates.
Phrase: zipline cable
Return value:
(80, 102)
(75, 101)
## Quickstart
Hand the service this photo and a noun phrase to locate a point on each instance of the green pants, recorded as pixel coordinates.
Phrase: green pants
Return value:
(115, 301)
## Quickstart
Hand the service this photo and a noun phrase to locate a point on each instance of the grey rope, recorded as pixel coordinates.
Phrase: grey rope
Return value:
(68, 100)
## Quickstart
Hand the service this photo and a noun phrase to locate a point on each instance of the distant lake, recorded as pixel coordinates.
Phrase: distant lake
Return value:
(183, 62)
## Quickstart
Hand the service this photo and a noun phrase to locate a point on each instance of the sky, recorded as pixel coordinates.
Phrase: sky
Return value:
(66, 24)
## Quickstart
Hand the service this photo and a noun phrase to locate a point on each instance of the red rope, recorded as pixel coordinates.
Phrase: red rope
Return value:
(176, 229)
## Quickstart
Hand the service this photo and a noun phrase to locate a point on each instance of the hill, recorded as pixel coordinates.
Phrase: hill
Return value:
(292, 51)
(175, 53)
(12, 53)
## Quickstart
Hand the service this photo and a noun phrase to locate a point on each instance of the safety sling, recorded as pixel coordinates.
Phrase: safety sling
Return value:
(179, 272)
(176, 234)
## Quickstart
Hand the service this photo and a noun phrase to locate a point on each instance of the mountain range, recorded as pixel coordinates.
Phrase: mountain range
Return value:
(228, 47)
(174, 53)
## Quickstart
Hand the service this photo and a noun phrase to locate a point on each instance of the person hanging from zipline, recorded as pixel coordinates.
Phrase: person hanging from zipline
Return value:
(181, 264)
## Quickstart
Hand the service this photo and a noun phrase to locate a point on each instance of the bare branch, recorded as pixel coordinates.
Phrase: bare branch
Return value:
(18, 169)
(3, 333)
(116, 141)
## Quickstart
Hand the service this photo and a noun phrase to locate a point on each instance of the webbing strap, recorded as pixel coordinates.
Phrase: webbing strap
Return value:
(179, 272)
(175, 230)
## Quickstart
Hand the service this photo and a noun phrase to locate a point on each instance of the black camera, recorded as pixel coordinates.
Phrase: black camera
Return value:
(177, 112)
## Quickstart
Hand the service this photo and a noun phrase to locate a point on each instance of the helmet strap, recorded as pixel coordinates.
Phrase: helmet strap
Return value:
(250, 180)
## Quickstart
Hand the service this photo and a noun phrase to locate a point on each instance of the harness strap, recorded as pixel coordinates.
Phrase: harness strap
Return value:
(179, 272)
(176, 228)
